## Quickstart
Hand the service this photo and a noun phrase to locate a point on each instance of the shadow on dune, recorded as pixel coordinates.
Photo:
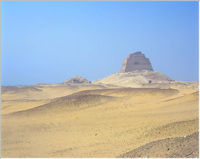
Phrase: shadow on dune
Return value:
(179, 147)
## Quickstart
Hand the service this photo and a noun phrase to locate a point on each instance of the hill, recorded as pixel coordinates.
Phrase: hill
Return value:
(135, 78)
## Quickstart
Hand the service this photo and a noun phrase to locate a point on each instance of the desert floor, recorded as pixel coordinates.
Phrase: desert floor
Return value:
(95, 120)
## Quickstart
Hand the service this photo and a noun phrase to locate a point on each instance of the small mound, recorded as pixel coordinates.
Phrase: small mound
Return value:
(184, 147)
(77, 80)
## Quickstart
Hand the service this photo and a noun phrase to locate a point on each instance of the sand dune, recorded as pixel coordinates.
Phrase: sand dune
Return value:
(67, 103)
(17, 98)
(87, 98)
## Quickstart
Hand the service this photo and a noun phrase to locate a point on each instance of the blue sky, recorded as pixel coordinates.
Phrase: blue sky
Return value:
(48, 42)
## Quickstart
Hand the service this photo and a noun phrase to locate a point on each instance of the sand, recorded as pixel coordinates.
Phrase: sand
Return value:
(94, 120)
(186, 147)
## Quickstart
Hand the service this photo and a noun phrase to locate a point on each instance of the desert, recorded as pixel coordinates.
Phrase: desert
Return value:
(137, 112)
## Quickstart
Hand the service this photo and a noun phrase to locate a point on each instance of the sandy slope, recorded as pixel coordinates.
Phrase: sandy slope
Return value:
(186, 147)
(94, 120)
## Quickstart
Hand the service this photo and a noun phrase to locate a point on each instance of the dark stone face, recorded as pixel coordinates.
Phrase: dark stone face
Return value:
(136, 61)
(76, 81)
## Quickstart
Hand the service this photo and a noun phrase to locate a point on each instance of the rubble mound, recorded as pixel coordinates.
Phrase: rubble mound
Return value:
(77, 80)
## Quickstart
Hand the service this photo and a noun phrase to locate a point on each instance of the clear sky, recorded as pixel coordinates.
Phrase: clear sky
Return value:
(48, 42)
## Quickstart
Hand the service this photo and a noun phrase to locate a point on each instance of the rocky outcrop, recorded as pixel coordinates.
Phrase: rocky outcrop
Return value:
(76, 80)
(136, 61)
